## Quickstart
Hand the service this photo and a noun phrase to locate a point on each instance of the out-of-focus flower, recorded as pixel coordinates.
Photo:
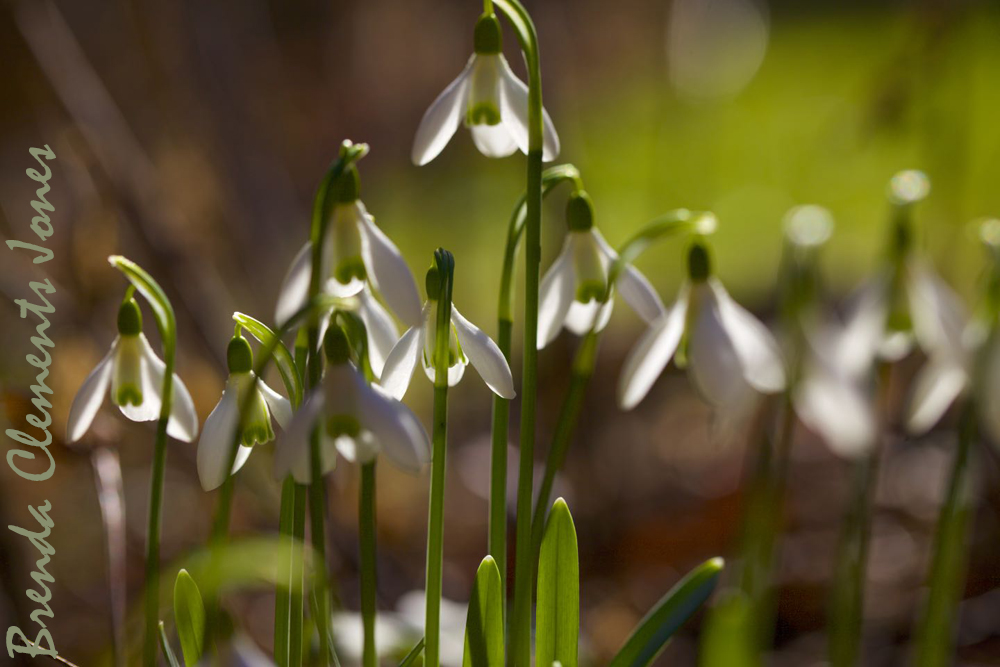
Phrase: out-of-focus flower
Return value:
(354, 251)
(255, 426)
(575, 286)
(354, 418)
(134, 375)
(466, 344)
(490, 99)
(240, 651)
(730, 355)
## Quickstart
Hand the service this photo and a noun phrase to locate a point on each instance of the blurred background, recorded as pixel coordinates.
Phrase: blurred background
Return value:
(190, 137)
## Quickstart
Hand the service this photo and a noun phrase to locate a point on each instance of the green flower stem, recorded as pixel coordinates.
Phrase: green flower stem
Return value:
(282, 593)
(366, 522)
(439, 440)
(317, 530)
(935, 633)
(167, 325)
(296, 603)
(497, 547)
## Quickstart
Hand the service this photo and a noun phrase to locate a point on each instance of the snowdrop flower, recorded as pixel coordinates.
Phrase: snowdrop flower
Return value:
(255, 426)
(466, 344)
(489, 98)
(354, 418)
(134, 375)
(574, 288)
(730, 355)
(354, 252)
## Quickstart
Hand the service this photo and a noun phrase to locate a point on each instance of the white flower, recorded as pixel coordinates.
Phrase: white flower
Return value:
(355, 419)
(466, 344)
(379, 327)
(573, 287)
(354, 250)
(730, 355)
(134, 375)
(490, 99)
(255, 427)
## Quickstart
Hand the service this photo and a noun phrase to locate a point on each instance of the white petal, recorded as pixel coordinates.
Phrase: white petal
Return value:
(493, 140)
(652, 354)
(855, 346)
(150, 378)
(295, 288)
(389, 273)
(834, 406)
(634, 288)
(441, 119)
(713, 363)
(217, 440)
(455, 372)
(936, 387)
(580, 318)
(515, 115)
(484, 355)
(938, 316)
(555, 295)
(399, 365)
(280, 407)
(90, 397)
(291, 453)
(756, 348)
(183, 424)
(382, 333)
(400, 434)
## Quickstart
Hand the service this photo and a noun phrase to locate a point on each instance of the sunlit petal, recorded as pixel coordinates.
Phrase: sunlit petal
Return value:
(400, 435)
(441, 119)
(382, 333)
(759, 354)
(936, 387)
(133, 371)
(834, 406)
(291, 452)
(555, 295)
(484, 355)
(183, 424)
(515, 115)
(389, 273)
(279, 406)
(217, 439)
(90, 397)
(714, 364)
(295, 287)
(402, 360)
(938, 316)
(651, 354)
(493, 140)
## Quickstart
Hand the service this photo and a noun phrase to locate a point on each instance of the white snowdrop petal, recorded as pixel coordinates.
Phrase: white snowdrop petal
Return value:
(295, 287)
(493, 140)
(455, 372)
(400, 435)
(855, 346)
(89, 398)
(402, 360)
(638, 293)
(713, 362)
(217, 439)
(515, 114)
(651, 354)
(382, 332)
(484, 355)
(836, 408)
(555, 295)
(938, 316)
(759, 354)
(279, 406)
(389, 273)
(441, 119)
(132, 352)
(291, 452)
(183, 423)
(935, 388)
(580, 317)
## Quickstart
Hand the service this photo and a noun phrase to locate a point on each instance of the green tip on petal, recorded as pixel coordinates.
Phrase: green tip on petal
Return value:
(239, 355)
(343, 425)
(347, 189)
(699, 263)
(129, 318)
(336, 345)
(128, 395)
(579, 212)
(432, 283)
(483, 113)
(487, 37)
(349, 269)
(591, 291)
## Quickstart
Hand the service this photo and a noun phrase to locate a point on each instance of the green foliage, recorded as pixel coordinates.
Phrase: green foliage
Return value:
(484, 639)
(167, 651)
(189, 615)
(557, 610)
(415, 653)
(728, 638)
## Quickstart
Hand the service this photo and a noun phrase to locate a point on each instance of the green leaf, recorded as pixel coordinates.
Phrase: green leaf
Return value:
(663, 620)
(484, 642)
(728, 638)
(415, 652)
(189, 615)
(153, 293)
(167, 651)
(282, 357)
(557, 611)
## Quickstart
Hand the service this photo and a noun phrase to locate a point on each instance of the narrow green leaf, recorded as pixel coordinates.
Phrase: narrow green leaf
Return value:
(282, 357)
(728, 638)
(557, 610)
(189, 615)
(167, 651)
(484, 642)
(663, 620)
(415, 652)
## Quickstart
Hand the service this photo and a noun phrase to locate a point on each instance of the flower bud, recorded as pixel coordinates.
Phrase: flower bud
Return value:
(699, 263)
(579, 212)
(487, 38)
(336, 346)
(239, 356)
(129, 318)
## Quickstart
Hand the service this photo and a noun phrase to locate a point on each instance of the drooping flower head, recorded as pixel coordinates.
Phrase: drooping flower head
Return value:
(574, 291)
(134, 375)
(354, 419)
(357, 260)
(729, 354)
(489, 99)
(466, 344)
(254, 428)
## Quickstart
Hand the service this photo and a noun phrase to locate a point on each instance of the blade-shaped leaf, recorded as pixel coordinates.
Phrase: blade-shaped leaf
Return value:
(189, 615)
(557, 611)
(484, 642)
(663, 620)
(282, 357)
(728, 638)
(415, 652)
(167, 651)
